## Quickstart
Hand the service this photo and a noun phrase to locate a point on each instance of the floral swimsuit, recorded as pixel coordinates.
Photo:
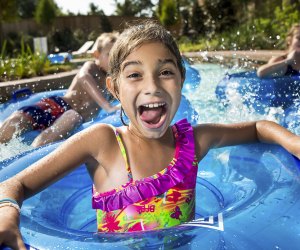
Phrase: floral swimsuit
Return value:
(162, 200)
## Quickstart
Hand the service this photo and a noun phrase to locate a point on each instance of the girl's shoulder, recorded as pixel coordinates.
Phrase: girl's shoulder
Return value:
(102, 130)
(98, 136)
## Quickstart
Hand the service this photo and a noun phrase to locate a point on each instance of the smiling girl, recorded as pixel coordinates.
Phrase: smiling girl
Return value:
(144, 173)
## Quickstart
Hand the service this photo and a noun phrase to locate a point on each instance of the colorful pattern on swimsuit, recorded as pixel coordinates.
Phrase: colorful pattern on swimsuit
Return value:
(43, 113)
(163, 200)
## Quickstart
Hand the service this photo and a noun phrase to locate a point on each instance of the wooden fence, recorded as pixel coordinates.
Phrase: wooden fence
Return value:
(86, 23)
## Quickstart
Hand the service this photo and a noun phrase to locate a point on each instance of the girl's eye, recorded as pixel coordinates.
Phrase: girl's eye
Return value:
(134, 75)
(167, 73)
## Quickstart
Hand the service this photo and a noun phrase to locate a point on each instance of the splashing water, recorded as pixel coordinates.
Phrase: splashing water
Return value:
(13, 147)
(203, 100)
(210, 109)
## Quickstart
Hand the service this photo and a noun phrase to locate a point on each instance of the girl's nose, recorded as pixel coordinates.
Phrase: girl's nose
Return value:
(152, 86)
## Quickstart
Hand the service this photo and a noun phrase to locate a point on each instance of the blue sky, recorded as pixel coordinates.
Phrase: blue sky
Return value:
(82, 6)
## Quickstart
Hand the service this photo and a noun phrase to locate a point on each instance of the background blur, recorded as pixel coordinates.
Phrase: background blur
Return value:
(199, 24)
(32, 31)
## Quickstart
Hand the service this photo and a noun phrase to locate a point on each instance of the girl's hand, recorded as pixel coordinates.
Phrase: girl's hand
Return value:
(9, 231)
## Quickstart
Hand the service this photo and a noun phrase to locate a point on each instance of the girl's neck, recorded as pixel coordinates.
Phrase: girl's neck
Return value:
(166, 138)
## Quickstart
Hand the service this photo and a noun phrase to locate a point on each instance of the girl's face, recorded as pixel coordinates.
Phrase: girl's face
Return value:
(150, 89)
(295, 42)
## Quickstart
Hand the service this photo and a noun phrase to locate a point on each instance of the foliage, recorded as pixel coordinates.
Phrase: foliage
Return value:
(65, 39)
(8, 10)
(45, 12)
(142, 8)
(168, 12)
(125, 9)
(93, 9)
(198, 17)
(26, 8)
(26, 64)
(273, 31)
(220, 14)
(104, 22)
(255, 33)
(13, 43)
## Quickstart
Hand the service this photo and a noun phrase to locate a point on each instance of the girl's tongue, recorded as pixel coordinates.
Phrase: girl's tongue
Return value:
(151, 115)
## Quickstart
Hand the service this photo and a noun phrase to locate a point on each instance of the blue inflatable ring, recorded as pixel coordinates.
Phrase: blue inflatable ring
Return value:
(291, 118)
(259, 93)
(192, 77)
(246, 196)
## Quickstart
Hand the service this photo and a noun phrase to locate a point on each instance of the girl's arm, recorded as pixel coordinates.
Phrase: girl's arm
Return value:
(220, 135)
(276, 66)
(72, 153)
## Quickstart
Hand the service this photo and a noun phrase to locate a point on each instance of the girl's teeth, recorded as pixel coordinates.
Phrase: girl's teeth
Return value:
(153, 105)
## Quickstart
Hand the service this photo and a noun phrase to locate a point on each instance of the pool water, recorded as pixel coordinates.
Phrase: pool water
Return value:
(209, 107)
(252, 191)
(203, 100)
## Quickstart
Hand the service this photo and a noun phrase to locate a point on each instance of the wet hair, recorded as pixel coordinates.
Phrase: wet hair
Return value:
(134, 37)
(291, 33)
(106, 38)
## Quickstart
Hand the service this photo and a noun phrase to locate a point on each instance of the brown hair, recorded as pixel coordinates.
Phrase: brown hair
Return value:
(106, 38)
(134, 37)
(291, 33)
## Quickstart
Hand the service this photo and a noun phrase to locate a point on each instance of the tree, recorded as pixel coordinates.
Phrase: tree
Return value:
(26, 8)
(46, 12)
(221, 14)
(8, 10)
(168, 12)
(125, 9)
(135, 8)
(198, 19)
(104, 22)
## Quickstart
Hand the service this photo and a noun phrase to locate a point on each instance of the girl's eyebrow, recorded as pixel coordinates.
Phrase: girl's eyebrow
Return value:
(125, 64)
(161, 62)
(166, 61)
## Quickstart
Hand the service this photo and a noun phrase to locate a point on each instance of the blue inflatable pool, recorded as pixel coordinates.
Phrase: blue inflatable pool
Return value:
(259, 93)
(247, 198)
(192, 77)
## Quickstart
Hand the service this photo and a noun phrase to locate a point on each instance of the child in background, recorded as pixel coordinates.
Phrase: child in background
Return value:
(287, 64)
(145, 173)
(58, 116)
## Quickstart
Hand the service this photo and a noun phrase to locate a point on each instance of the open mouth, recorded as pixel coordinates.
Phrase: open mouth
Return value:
(153, 114)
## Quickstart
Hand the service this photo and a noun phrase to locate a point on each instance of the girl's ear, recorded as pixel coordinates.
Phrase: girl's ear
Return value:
(182, 82)
(111, 88)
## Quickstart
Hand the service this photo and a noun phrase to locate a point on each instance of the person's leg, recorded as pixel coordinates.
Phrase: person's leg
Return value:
(17, 123)
(60, 129)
